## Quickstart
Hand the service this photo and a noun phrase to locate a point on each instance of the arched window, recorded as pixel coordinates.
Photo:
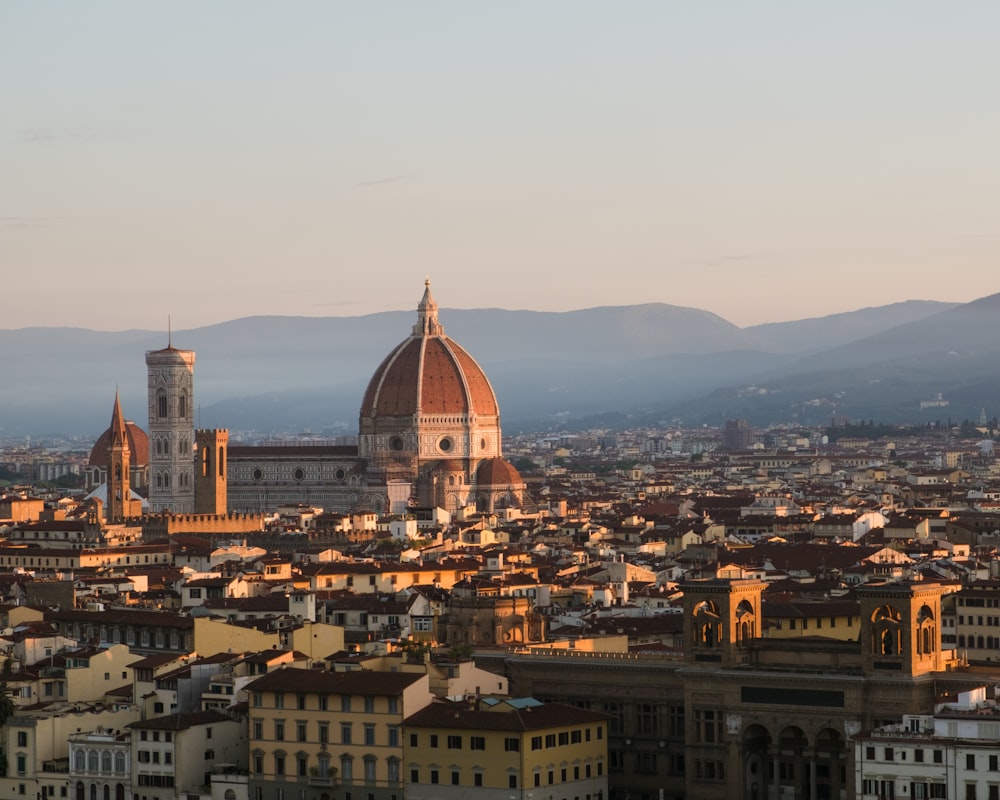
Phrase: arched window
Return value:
(222, 462)
(93, 761)
(120, 761)
(80, 761)
(182, 405)
(161, 404)
(106, 761)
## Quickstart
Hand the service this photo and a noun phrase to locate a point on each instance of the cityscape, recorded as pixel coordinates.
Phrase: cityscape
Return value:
(499, 401)
(431, 609)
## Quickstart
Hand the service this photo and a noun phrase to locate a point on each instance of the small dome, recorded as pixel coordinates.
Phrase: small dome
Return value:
(138, 446)
(498, 472)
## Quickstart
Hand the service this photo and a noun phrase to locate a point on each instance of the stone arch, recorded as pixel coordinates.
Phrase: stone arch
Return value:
(926, 632)
(756, 744)
(829, 764)
(707, 624)
(746, 623)
(790, 768)
(887, 635)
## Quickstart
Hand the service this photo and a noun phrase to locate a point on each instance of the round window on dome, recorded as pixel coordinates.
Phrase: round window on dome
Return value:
(396, 443)
(445, 444)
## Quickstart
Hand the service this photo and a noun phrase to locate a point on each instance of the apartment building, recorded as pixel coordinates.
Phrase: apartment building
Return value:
(498, 749)
(313, 731)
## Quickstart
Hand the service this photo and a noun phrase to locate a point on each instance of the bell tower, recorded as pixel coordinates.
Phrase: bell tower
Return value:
(118, 503)
(721, 617)
(171, 430)
(901, 627)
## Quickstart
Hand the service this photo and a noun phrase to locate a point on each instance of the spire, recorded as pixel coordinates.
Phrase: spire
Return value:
(118, 431)
(427, 315)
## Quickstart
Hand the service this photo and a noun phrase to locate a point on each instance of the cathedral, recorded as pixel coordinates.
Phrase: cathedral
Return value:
(428, 436)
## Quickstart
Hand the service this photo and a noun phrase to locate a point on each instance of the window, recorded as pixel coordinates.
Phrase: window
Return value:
(536, 742)
(889, 754)
(345, 703)
(994, 763)
(512, 744)
(434, 740)
(22, 738)
(434, 776)
(345, 733)
(646, 719)
(970, 761)
(279, 764)
(918, 755)
(477, 742)
(369, 705)
(477, 779)
(550, 740)
(512, 780)
(300, 702)
(369, 769)
(301, 766)
(323, 704)
(454, 742)
(370, 735)
(279, 730)
(564, 738)
(279, 700)
(209, 755)
(939, 756)
(454, 778)
(413, 740)
(393, 736)
(393, 705)
(300, 731)
(414, 776)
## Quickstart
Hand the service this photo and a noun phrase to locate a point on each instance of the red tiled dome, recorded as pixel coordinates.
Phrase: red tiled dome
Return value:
(428, 373)
(138, 445)
(498, 472)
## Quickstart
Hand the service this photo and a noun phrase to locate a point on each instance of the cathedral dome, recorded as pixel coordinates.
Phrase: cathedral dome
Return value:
(138, 446)
(429, 374)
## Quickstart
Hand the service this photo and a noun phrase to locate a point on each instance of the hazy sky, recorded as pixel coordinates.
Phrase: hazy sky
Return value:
(761, 160)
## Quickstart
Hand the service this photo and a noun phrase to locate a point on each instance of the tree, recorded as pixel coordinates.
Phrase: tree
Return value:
(7, 707)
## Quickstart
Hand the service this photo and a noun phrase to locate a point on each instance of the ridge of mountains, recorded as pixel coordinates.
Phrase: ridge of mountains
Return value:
(608, 366)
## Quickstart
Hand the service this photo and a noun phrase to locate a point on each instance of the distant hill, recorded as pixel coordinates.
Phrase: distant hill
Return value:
(650, 361)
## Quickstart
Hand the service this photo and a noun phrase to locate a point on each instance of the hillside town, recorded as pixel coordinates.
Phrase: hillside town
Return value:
(431, 612)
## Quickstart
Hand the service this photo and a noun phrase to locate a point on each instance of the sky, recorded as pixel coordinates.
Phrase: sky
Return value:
(764, 161)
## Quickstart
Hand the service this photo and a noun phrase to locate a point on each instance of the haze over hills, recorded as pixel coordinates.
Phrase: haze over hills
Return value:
(635, 364)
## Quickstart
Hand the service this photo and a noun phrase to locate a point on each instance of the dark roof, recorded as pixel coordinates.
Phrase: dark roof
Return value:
(180, 722)
(354, 682)
(536, 717)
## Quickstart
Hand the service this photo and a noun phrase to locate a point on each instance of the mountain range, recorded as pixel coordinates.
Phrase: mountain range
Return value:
(608, 366)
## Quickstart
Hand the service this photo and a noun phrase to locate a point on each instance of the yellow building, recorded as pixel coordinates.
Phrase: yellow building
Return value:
(499, 749)
(797, 617)
(318, 735)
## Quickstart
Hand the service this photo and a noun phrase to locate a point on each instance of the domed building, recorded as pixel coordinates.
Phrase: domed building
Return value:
(429, 418)
(428, 435)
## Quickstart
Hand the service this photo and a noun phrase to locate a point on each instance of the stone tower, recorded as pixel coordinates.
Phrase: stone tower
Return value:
(118, 506)
(210, 486)
(171, 430)
(901, 627)
(721, 617)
